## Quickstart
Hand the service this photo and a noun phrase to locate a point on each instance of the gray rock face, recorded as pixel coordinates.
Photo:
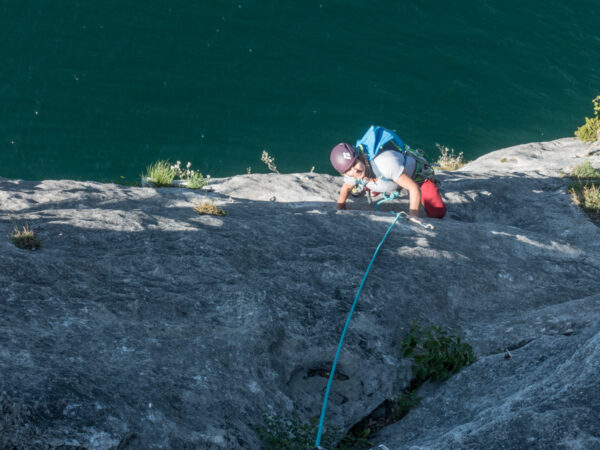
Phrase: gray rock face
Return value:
(140, 324)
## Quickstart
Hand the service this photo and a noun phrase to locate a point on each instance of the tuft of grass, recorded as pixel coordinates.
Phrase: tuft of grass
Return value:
(208, 207)
(436, 354)
(590, 130)
(448, 160)
(24, 238)
(585, 170)
(161, 173)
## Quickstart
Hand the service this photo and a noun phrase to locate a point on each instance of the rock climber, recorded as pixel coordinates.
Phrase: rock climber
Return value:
(382, 163)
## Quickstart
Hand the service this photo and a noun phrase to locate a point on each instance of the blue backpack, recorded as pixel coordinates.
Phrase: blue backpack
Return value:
(375, 138)
(378, 139)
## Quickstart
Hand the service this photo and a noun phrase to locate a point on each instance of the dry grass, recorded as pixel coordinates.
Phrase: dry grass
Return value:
(269, 161)
(25, 238)
(208, 207)
(448, 160)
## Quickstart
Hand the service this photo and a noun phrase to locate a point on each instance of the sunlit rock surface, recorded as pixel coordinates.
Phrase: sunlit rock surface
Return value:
(140, 324)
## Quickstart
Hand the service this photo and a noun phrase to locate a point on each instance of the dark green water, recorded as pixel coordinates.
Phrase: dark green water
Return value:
(99, 89)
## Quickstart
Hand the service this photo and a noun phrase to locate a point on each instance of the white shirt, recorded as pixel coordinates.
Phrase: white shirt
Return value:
(391, 164)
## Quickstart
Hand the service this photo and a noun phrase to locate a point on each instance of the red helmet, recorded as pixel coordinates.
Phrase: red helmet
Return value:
(343, 157)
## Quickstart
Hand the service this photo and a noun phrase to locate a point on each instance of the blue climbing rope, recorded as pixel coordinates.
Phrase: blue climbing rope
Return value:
(387, 198)
(339, 349)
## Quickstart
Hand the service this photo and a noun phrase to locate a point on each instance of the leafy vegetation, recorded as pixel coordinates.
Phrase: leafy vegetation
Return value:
(585, 170)
(587, 196)
(435, 353)
(590, 130)
(585, 190)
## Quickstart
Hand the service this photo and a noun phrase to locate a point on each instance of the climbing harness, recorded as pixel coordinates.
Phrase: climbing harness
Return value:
(403, 215)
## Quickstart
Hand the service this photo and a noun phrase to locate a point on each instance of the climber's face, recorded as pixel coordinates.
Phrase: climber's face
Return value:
(357, 170)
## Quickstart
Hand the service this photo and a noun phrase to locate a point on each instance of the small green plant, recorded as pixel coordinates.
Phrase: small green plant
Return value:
(291, 433)
(208, 207)
(193, 178)
(591, 198)
(585, 170)
(269, 161)
(24, 238)
(585, 190)
(278, 432)
(448, 160)
(122, 181)
(355, 440)
(587, 196)
(406, 401)
(590, 130)
(161, 173)
(435, 353)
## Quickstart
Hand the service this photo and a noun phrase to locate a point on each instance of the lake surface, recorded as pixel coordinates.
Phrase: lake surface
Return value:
(97, 90)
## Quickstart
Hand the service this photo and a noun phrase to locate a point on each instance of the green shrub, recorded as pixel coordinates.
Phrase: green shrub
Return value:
(587, 196)
(161, 173)
(591, 198)
(585, 170)
(436, 354)
(588, 132)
